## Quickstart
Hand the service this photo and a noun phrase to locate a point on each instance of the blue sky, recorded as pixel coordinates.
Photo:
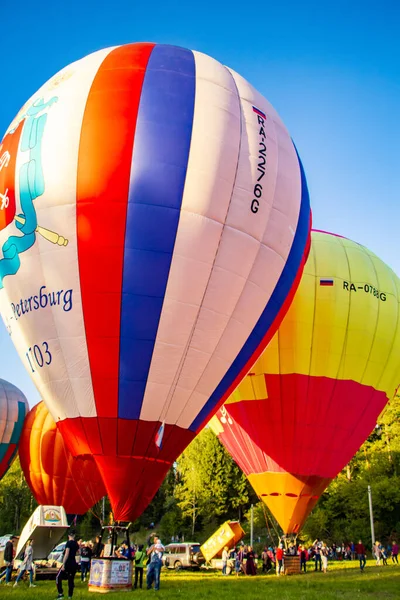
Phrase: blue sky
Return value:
(330, 69)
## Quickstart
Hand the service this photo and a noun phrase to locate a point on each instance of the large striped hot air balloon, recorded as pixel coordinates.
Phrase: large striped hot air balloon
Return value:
(314, 395)
(170, 219)
(13, 409)
(54, 476)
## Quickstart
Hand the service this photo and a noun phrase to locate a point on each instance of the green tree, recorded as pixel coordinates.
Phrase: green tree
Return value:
(210, 487)
(16, 500)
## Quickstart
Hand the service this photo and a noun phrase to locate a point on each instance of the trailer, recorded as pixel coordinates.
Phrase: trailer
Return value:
(229, 534)
(46, 527)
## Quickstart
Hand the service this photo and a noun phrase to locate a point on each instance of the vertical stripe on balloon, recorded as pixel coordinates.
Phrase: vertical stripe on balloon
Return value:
(272, 315)
(159, 164)
(104, 165)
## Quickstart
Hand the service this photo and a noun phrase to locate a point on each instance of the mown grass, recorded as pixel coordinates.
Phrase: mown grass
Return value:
(343, 581)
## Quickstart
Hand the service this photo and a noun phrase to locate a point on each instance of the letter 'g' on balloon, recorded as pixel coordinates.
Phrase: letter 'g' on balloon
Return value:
(13, 409)
(161, 222)
(314, 395)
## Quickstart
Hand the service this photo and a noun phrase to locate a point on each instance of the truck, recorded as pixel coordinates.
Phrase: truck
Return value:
(229, 534)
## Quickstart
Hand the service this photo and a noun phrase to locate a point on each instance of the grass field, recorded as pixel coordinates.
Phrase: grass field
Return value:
(343, 581)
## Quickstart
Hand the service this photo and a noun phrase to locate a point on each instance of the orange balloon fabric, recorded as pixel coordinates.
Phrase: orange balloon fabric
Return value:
(53, 474)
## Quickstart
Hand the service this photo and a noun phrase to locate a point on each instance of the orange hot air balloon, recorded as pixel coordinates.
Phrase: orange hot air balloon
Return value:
(53, 474)
(314, 395)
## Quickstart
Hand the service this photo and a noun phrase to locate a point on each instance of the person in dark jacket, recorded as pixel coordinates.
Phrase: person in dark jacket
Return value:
(9, 553)
(86, 555)
(98, 548)
(360, 551)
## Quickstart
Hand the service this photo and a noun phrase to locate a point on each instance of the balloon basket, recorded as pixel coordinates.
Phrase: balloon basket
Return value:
(110, 575)
(291, 565)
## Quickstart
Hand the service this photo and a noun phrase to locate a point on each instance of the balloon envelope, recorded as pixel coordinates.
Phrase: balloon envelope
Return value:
(162, 217)
(314, 395)
(13, 409)
(53, 474)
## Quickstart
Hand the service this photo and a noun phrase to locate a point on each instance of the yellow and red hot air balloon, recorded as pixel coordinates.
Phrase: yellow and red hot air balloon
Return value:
(161, 222)
(314, 395)
(53, 474)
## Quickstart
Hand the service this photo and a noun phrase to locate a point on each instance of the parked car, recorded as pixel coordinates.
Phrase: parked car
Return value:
(57, 553)
(183, 555)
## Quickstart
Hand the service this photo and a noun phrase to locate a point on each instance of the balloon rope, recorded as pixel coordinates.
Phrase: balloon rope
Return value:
(266, 521)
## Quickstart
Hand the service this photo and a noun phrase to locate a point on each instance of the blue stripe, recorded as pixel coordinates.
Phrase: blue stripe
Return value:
(273, 307)
(158, 173)
(18, 425)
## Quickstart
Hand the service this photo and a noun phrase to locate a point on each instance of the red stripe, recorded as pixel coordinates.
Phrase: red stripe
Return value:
(7, 460)
(134, 475)
(9, 144)
(104, 164)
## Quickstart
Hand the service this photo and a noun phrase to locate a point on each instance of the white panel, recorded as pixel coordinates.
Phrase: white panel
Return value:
(267, 239)
(254, 241)
(58, 328)
(208, 189)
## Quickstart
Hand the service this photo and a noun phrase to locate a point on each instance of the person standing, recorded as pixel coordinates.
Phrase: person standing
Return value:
(86, 555)
(155, 552)
(69, 566)
(395, 552)
(9, 553)
(225, 556)
(324, 557)
(27, 564)
(317, 555)
(239, 566)
(251, 568)
(97, 548)
(279, 558)
(377, 552)
(360, 551)
(303, 559)
(140, 555)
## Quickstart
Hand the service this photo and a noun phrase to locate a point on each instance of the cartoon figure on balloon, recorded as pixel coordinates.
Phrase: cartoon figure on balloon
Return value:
(25, 135)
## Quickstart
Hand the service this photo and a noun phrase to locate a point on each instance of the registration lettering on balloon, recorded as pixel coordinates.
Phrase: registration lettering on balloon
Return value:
(366, 288)
(262, 154)
(25, 136)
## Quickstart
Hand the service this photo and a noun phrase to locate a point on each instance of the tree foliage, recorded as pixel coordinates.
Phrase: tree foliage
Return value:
(205, 487)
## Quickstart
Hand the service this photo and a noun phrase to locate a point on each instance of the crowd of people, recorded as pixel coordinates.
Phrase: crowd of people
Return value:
(315, 556)
(242, 559)
(82, 552)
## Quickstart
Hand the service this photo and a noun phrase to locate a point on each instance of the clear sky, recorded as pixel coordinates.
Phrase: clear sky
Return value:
(331, 69)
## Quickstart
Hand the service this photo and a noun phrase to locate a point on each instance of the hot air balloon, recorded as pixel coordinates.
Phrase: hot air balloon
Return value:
(162, 218)
(314, 395)
(54, 476)
(13, 409)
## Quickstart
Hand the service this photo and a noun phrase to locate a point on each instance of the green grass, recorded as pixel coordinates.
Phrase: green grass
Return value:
(343, 581)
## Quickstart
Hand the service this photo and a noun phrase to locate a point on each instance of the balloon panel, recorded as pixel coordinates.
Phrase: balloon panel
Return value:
(157, 190)
(316, 392)
(53, 474)
(13, 409)
(289, 497)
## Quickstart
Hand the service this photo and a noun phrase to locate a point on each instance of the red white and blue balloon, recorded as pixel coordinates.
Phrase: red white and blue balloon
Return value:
(154, 222)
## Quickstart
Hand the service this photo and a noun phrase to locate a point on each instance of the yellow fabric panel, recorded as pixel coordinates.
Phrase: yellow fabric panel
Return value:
(252, 387)
(348, 331)
(215, 425)
(291, 511)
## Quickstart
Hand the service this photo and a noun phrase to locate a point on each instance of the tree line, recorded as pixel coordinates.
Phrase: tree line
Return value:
(205, 487)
